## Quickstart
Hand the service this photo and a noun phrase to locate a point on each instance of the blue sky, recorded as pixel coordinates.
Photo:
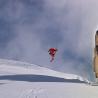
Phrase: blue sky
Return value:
(28, 28)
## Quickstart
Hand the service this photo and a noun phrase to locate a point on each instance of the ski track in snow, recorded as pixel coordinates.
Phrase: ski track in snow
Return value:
(33, 93)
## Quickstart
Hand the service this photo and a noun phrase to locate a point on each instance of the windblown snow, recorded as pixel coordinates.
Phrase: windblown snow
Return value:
(15, 67)
(24, 80)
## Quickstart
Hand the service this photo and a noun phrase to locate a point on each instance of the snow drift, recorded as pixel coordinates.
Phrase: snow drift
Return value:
(10, 67)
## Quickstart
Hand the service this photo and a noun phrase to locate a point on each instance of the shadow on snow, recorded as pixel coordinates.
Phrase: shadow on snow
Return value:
(37, 78)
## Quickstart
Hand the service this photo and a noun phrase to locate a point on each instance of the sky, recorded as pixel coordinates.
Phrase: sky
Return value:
(28, 28)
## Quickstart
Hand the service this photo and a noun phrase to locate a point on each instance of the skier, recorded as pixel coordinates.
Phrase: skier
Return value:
(52, 52)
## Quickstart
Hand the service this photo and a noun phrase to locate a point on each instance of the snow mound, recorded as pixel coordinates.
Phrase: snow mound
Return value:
(11, 67)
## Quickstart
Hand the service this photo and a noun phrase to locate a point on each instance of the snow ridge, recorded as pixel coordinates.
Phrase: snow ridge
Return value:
(16, 67)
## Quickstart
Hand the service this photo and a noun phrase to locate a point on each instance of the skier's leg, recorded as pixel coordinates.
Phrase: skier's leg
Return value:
(52, 59)
(52, 55)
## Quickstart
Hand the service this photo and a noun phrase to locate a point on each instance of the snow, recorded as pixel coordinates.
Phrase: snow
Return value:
(24, 80)
(16, 67)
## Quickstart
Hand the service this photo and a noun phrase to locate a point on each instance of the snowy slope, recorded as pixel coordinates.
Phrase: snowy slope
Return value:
(15, 67)
(23, 80)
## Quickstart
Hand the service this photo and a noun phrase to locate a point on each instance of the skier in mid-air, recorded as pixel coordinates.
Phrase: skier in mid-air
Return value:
(52, 52)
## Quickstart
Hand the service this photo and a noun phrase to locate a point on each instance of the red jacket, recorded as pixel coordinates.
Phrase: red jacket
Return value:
(52, 50)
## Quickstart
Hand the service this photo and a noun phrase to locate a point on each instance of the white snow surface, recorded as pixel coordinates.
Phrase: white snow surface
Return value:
(16, 67)
(12, 85)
